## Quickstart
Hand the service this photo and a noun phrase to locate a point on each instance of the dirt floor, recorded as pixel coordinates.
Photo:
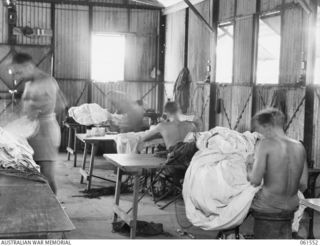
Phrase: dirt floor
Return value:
(93, 217)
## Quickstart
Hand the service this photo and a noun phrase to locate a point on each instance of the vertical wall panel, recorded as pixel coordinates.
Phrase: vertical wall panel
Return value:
(110, 19)
(200, 47)
(243, 50)
(175, 39)
(200, 103)
(245, 7)
(226, 9)
(34, 15)
(291, 45)
(288, 99)
(135, 90)
(235, 109)
(141, 45)
(71, 43)
(3, 23)
(269, 5)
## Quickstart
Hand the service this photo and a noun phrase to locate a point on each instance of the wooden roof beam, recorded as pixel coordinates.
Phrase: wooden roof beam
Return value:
(199, 15)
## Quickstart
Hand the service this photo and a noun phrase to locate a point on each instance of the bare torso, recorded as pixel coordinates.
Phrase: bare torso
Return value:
(284, 166)
(39, 96)
(176, 131)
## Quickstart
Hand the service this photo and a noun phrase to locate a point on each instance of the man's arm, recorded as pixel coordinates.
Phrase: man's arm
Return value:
(304, 177)
(151, 133)
(256, 173)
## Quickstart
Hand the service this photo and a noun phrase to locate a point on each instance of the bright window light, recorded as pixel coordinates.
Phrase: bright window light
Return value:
(224, 63)
(269, 42)
(107, 60)
(317, 64)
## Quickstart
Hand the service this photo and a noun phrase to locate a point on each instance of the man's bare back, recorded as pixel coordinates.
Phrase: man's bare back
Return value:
(285, 159)
(175, 132)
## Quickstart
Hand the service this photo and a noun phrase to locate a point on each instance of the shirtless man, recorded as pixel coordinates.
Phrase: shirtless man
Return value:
(40, 99)
(173, 131)
(280, 163)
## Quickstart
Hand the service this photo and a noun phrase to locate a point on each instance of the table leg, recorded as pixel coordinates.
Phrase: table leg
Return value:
(117, 192)
(134, 207)
(93, 153)
(69, 141)
(84, 160)
(75, 147)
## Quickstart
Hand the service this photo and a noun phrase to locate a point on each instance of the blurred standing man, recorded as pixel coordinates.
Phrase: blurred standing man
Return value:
(40, 99)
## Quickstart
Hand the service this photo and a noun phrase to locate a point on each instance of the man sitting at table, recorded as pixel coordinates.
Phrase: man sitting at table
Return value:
(173, 132)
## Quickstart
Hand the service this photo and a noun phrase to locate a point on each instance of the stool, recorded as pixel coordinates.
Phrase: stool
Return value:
(272, 225)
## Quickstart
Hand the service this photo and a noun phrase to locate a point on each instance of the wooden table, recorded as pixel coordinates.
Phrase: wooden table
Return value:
(93, 141)
(132, 164)
(29, 209)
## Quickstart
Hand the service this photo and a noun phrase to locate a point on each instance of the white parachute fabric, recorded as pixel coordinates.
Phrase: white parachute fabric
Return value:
(216, 192)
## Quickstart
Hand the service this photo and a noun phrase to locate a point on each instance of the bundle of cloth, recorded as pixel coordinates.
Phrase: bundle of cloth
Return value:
(127, 143)
(216, 192)
(89, 114)
(16, 153)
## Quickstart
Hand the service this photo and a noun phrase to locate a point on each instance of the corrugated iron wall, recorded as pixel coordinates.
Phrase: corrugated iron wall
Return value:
(200, 42)
(72, 42)
(241, 101)
(3, 21)
(34, 14)
(175, 39)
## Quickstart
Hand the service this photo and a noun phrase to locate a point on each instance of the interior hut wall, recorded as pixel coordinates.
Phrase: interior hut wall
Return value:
(241, 98)
(72, 51)
(140, 28)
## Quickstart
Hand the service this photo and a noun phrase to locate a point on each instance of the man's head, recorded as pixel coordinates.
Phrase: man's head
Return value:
(22, 67)
(171, 109)
(268, 119)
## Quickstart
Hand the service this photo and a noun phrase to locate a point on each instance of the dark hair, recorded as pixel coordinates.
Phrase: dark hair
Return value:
(171, 107)
(270, 116)
(21, 58)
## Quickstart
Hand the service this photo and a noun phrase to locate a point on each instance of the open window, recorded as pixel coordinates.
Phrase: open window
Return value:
(269, 43)
(224, 61)
(317, 64)
(107, 57)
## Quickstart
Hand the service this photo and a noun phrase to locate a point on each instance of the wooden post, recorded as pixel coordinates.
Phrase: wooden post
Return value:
(89, 58)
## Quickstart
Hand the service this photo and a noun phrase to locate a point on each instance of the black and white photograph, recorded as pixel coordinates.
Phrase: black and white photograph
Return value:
(162, 121)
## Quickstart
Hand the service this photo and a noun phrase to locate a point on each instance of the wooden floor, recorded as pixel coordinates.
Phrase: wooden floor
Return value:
(92, 217)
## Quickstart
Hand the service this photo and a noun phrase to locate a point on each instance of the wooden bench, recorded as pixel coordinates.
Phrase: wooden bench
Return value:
(29, 209)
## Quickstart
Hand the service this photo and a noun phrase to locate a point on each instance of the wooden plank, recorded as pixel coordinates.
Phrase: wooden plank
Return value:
(28, 207)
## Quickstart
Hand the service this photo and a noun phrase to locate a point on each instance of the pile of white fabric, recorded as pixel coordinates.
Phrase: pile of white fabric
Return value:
(127, 143)
(89, 114)
(216, 192)
(16, 153)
